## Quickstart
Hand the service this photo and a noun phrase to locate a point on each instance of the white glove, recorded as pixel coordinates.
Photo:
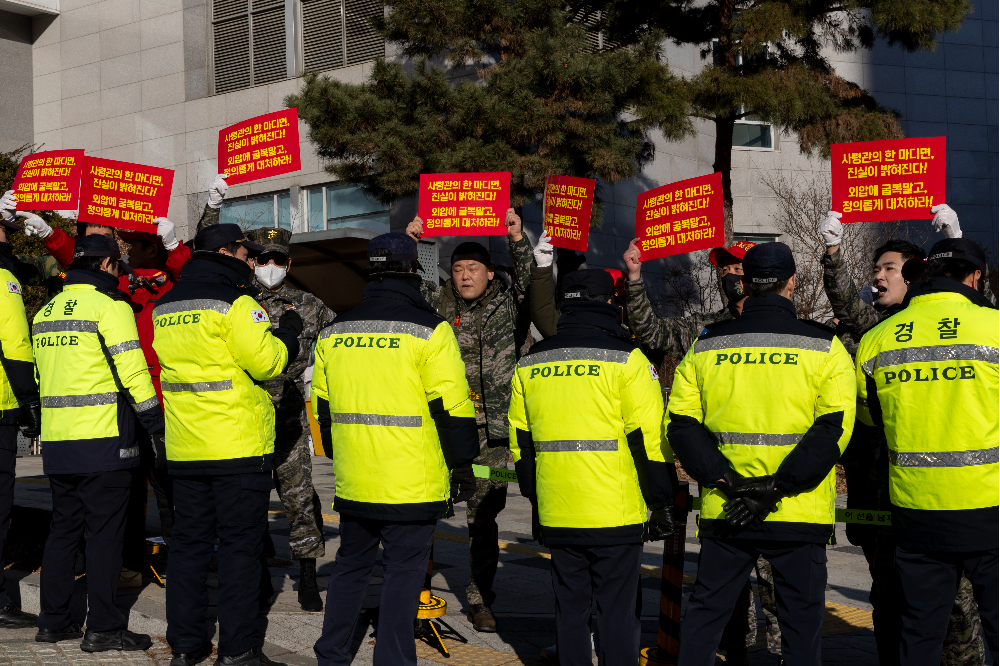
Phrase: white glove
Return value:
(217, 191)
(831, 230)
(946, 221)
(8, 204)
(543, 251)
(165, 230)
(66, 214)
(34, 225)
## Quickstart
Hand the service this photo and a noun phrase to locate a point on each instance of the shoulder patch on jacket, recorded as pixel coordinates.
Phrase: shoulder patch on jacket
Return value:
(259, 316)
(714, 325)
(14, 288)
(653, 373)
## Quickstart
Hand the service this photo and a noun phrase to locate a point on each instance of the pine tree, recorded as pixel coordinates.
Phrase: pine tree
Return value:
(767, 61)
(494, 85)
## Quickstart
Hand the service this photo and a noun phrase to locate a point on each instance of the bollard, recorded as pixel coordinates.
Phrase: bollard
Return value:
(668, 640)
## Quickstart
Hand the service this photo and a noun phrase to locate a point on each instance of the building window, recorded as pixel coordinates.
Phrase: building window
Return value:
(756, 238)
(751, 132)
(325, 23)
(337, 206)
(248, 43)
(258, 211)
(255, 41)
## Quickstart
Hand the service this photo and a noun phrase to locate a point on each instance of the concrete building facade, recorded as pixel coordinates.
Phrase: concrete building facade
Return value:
(153, 81)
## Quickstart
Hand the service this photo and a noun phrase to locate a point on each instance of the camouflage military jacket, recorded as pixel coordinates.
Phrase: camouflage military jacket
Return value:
(209, 216)
(670, 335)
(315, 315)
(490, 333)
(854, 315)
(42, 271)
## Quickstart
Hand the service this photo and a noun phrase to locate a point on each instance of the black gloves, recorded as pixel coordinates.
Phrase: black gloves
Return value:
(159, 441)
(753, 501)
(291, 321)
(30, 419)
(661, 524)
(463, 484)
(730, 480)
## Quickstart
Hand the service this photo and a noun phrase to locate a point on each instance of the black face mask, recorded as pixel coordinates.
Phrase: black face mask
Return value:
(732, 286)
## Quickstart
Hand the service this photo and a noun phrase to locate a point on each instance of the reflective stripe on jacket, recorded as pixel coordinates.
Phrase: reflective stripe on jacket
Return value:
(390, 394)
(765, 394)
(215, 346)
(92, 374)
(585, 432)
(928, 376)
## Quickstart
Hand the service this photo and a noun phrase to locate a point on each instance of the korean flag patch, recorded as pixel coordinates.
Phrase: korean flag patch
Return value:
(259, 316)
(14, 288)
(652, 372)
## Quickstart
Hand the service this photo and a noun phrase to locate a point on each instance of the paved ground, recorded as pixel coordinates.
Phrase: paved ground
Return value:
(524, 605)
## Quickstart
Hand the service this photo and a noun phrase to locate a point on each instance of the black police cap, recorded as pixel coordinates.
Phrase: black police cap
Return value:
(958, 248)
(213, 237)
(588, 282)
(768, 262)
(400, 248)
(98, 245)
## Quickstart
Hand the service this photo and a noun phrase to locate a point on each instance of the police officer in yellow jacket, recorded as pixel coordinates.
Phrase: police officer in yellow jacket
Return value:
(585, 431)
(928, 377)
(216, 347)
(390, 394)
(92, 376)
(19, 403)
(761, 409)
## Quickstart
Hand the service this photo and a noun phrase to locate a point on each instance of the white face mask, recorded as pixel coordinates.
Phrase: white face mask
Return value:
(270, 276)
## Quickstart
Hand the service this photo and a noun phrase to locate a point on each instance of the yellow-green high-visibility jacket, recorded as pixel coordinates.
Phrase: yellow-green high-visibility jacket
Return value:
(91, 374)
(216, 346)
(928, 376)
(390, 395)
(765, 394)
(585, 418)
(17, 371)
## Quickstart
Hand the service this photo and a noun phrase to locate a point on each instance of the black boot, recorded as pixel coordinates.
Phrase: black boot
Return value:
(309, 597)
(121, 640)
(252, 657)
(14, 618)
(191, 658)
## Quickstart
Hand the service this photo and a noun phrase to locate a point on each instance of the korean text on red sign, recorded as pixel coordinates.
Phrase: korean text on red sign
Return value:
(464, 204)
(49, 180)
(260, 147)
(680, 217)
(124, 195)
(898, 179)
(568, 202)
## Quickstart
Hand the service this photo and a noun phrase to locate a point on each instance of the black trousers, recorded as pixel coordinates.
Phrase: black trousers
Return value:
(609, 575)
(233, 508)
(929, 584)
(8, 456)
(406, 549)
(134, 556)
(91, 506)
(723, 566)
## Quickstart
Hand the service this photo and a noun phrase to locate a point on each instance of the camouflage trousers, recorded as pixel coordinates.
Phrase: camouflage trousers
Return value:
(742, 625)
(293, 480)
(481, 514)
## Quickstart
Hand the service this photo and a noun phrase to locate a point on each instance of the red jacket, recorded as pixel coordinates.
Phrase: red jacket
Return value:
(144, 289)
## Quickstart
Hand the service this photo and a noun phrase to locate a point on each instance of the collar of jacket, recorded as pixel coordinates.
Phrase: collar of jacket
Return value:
(591, 315)
(106, 283)
(768, 305)
(206, 266)
(936, 285)
(398, 286)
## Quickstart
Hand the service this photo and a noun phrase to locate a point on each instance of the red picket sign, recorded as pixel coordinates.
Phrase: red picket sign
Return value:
(49, 180)
(260, 147)
(464, 204)
(680, 217)
(568, 202)
(124, 195)
(896, 179)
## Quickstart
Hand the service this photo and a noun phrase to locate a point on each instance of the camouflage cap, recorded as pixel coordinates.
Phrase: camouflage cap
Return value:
(273, 240)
